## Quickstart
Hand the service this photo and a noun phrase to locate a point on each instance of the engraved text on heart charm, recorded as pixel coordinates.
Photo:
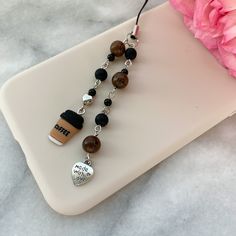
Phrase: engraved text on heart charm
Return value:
(81, 173)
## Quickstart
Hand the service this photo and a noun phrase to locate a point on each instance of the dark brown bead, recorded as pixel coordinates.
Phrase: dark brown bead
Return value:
(91, 144)
(120, 80)
(117, 48)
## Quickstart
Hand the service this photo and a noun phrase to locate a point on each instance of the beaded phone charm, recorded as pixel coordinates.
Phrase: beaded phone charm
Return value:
(71, 122)
(82, 172)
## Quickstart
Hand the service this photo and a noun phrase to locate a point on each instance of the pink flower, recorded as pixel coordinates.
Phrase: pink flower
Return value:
(213, 22)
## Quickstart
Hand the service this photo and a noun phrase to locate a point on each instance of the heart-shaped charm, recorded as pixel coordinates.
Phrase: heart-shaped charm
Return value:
(81, 173)
(87, 99)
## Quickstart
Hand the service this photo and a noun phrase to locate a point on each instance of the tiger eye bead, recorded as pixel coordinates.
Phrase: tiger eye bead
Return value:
(117, 48)
(91, 144)
(120, 80)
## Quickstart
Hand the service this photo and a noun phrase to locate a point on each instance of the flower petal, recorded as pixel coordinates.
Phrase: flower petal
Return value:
(186, 7)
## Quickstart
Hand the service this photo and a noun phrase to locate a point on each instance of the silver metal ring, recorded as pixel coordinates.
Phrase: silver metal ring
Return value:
(98, 129)
(105, 64)
(128, 63)
(131, 42)
(97, 83)
(81, 110)
(112, 94)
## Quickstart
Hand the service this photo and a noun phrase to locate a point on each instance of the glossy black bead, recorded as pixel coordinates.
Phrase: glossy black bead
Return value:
(125, 71)
(101, 74)
(111, 57)
(130, 53)
(107, 102)
(92, 92)
(101, 119)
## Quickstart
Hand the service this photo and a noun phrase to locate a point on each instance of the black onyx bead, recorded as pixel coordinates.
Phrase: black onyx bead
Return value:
(92, 92)
(101, 74)
(101, 119)
(130, 53)
(125, 71)
(107, 102)
(111, 57)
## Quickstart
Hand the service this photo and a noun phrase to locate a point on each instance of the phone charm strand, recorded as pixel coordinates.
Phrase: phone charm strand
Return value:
(82, 172)
(71, 122)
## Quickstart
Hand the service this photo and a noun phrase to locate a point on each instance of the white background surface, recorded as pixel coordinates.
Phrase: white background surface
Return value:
(191, 193)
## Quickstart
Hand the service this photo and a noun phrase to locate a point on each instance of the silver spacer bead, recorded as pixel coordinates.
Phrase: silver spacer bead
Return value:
(87, 99)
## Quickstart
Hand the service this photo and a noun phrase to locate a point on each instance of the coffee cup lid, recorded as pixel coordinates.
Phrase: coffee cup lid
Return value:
(73, 118)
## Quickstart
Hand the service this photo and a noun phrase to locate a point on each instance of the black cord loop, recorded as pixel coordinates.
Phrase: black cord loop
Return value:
(140, 11)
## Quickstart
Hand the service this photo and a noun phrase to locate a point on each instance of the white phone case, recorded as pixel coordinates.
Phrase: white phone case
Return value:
(177, 91)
